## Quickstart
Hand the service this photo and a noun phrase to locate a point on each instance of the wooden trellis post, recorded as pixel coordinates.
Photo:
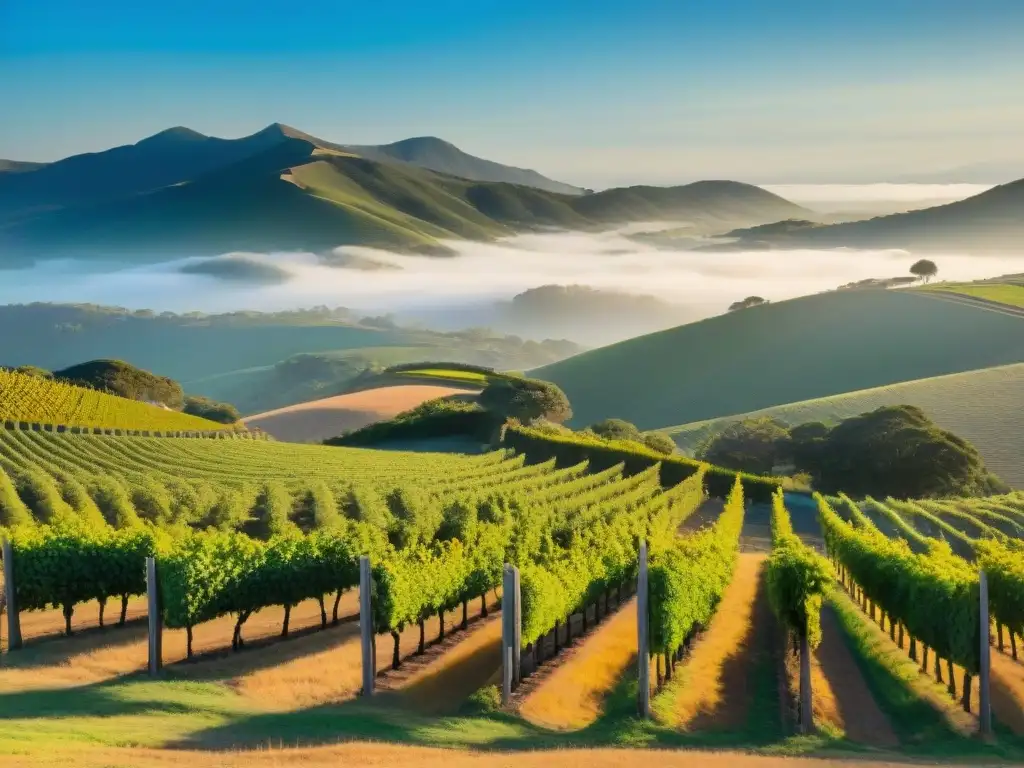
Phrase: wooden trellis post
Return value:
(366, 625)
(156, 624)
(11, 595)
(643, 639)
(984, 690)
(511, 630)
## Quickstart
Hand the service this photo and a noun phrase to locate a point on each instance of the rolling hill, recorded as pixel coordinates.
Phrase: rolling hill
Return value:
(278, 190)
(980, 406)
(795, 350)
(990, 221)
(257, 361)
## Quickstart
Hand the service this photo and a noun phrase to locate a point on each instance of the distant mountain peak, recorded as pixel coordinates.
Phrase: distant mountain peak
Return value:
(178, 133)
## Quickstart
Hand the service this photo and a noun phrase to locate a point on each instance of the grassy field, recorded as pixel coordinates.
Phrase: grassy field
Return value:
(811, 347)
(461, 377)
(980, 406)
(1001, 293)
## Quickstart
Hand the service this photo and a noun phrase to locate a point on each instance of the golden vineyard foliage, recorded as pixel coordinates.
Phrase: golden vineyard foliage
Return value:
(47, 401)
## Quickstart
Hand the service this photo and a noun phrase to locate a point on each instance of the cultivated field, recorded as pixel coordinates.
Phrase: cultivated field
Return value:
(1011, 294)
(320, 419)
(438, 528)
(980, 406)
(46, 401)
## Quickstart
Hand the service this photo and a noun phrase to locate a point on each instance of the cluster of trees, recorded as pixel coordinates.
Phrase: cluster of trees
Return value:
(892, 451)
(204, 407)
(618, 430)
(120, 378)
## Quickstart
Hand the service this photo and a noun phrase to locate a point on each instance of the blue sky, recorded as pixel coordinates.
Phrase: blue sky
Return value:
(596, 92)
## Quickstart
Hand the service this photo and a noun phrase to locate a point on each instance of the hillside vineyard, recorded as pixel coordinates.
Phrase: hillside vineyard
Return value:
(284, 523)
(35, 400)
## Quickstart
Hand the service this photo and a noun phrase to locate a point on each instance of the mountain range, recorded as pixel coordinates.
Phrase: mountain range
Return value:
(180, 192)
(992, 221)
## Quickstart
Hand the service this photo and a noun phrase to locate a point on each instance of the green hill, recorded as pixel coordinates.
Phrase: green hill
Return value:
(783, 353)
(258, 361)
(980, 406)
(283, 190)
(991, 221)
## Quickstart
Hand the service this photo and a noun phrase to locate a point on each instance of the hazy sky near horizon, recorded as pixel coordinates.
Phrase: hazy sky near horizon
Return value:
(596, 92)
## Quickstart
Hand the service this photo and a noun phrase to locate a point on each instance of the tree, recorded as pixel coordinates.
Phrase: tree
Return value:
(924, 269)
(616, 429)
(897, 451)
(526, 400)
(660, 442)
(34, 370)
(750, 301)
(204, 407)
(752, 445)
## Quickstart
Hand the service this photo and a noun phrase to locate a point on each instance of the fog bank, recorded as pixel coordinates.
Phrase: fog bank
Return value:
(479, 273)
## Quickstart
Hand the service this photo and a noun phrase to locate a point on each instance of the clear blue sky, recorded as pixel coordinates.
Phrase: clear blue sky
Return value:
(594, 92)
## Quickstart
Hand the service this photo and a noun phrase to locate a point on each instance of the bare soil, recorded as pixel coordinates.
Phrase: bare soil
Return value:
(317, 420)
(573, 694)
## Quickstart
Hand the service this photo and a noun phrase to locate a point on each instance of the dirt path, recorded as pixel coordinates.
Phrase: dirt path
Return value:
(1008, 691)
(716, 689)
(460, 666)
(572, 696)
(364, 755)
(855, 709)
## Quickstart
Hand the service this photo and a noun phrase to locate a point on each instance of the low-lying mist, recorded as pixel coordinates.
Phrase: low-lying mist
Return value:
(469, 287)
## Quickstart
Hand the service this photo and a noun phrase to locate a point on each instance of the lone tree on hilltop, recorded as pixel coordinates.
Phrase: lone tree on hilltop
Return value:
(750, 301)
(924, 269)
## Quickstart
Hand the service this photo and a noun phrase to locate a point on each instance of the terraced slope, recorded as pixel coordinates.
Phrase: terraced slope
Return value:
(811, 347)
(980, 406)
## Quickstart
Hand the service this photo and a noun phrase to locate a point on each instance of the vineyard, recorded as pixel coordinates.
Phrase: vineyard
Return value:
(915, 567)
(238, 527)
(35, 400)
(258, 546)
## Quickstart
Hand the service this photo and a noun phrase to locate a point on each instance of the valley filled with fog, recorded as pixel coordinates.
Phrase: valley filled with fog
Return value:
(475, 284)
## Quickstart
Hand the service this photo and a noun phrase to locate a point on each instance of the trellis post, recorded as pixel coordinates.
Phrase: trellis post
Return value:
(11, 595)
(984, 691)
(511, 630)
(643, 640)
(156, 624)
(366, 624)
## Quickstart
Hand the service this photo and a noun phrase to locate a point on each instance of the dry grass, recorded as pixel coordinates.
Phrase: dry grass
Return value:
(359, 755)
(320, 419)
(471, 661)
(714, 692)
(1008, 691)
(97, 655)
(573, 695)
